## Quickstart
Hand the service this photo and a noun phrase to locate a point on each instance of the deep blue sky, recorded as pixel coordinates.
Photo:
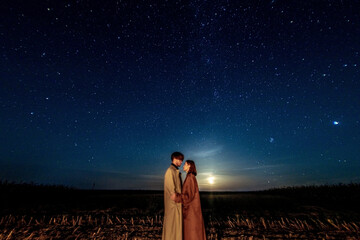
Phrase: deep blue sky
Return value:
(259, 94)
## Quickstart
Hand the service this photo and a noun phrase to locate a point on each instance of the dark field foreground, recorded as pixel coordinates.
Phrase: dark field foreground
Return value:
(53, 212)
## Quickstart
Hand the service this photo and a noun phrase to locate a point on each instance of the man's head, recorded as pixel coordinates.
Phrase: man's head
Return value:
(177, 158)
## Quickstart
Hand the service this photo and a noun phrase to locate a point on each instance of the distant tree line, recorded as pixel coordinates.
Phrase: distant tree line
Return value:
(12, 186)
(329, 193)
(323, 187)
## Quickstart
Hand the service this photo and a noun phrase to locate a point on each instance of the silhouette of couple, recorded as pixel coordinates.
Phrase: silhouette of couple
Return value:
(183, 218)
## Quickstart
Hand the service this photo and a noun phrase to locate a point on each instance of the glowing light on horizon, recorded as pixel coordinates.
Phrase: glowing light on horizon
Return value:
(211, 180)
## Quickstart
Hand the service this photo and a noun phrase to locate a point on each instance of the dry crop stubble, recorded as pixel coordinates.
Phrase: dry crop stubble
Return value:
(150, 227)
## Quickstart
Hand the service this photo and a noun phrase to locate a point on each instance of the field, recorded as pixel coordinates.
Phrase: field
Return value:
(55, 212)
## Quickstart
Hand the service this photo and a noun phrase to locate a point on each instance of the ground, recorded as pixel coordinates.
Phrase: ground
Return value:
(53, 212)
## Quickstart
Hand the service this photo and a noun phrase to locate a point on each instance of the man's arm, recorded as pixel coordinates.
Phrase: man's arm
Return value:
(170, 182)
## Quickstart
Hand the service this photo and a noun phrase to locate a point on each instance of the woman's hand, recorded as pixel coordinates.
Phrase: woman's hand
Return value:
(176, 197)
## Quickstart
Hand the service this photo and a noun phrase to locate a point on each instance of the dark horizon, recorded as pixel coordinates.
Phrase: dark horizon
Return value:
(46, 187)
(260, 94)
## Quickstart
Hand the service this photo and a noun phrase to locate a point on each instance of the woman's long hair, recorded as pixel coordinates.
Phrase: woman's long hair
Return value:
(192, 168)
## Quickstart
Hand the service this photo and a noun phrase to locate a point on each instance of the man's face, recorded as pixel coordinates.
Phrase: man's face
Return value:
(177, 162)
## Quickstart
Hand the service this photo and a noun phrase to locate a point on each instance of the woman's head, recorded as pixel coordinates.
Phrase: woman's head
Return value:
(190, 167)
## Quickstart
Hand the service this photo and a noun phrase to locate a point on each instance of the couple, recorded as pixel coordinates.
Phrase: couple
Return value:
(183, 219)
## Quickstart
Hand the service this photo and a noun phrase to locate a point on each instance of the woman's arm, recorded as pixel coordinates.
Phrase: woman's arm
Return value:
(189, 190)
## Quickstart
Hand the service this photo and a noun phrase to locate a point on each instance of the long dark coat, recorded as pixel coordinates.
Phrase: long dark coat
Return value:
(193, 222)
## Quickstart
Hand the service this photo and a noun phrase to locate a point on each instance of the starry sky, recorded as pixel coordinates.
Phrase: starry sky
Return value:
(260, 94)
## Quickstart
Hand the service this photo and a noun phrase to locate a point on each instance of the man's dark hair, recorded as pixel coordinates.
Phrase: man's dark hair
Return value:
(177, 155)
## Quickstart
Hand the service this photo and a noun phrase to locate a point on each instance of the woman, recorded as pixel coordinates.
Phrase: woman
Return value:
(193, 222)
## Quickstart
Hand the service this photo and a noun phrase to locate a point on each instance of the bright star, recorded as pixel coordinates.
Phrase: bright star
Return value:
(336, 123)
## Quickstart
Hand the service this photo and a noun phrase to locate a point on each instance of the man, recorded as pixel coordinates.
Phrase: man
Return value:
(172, 227)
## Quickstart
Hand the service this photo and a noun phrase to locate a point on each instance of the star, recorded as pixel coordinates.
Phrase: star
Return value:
(227, 89)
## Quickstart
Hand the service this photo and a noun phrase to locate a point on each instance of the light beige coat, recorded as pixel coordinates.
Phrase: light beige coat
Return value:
(172, 226)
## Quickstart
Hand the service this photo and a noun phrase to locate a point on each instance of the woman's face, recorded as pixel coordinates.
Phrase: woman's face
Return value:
(186, 167)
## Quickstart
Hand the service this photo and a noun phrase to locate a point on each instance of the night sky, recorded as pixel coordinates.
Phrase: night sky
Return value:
(260, 94)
